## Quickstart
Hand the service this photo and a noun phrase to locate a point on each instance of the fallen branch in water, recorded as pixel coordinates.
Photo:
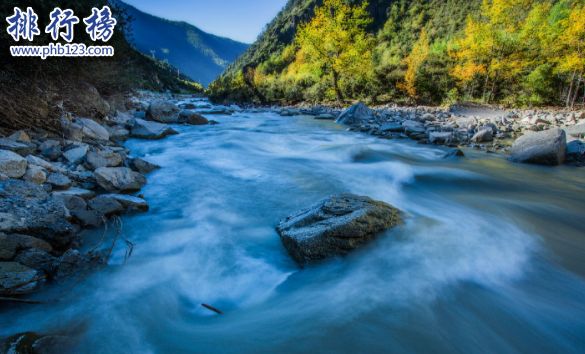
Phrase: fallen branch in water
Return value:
(20, 285)
(212, 308)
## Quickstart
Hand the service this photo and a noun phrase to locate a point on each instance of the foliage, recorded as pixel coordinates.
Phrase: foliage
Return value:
(413, 62)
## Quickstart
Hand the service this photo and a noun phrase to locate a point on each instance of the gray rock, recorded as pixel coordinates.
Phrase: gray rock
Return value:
(129, 202)
(12, 164)
(14, 188)
(59, 181)
(88, 218)
(90, 101)
(117, 133)
(36, 259)
(576, 130)
(93, 130)
(12, 273)
(192, 118)
(73, 132)
(144, 167)
(77, 154)
(355, 114)
(453, 153)
(8, 247)
(334, 226)
(73, 263)
(482, 136)
(439, 137)
(119, 179)
(393, 128)
(163, 112)
(47, 144)
(71, 202)
(37, 161)
(35, 174)
(99, 158)
(20, 136)
(21, 148)
(53, 153)
(188, 106)
(543, 148)
(105, 205)
(149, 130)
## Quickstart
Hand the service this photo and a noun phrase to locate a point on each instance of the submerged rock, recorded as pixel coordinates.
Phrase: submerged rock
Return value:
(12, 273)
(543, 148)
(142, 166)
(192, 118)
(334, 226)
(453, 153)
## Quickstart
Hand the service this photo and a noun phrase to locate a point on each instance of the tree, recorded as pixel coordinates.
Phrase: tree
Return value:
(335, 42)
(419, 53)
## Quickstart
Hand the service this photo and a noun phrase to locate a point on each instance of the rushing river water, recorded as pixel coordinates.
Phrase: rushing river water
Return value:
(491, 258)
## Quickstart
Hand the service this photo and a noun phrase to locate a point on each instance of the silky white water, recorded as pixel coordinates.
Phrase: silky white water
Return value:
(491, 258)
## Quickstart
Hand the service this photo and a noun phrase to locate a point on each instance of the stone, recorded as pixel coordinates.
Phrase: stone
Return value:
(393, 128)
(77, 154)
(3, 177)
(99, 158)
(8, 247)
(482, 136)
(576, 130)
(21, 148)
(20, 136)
(546, 147)
(129, 202)
(149, 130)
(12, 273)
(14, 188)
(47, 144)
(163, 112)
(188, 106)
(93, 130)
(489, 126)
(12, 164)
(355, 114)
(575, 152)
(465, 122)
(119, 179)
(325, 116)
(73, 132)
(117, 133)
(89, 103)
(21, 343)
(36, 259)
(105, 205)
(37, 161)
(43, 218)
(144, 167)
(75, 191)
(74, 263)
(35, 174)
(335, 226)
(59, 181)
(439, 137)
(25, 242)
(429, 117)
(453, 153)
(192, 118)
(53, 153)
(71, 202)
(88, 218)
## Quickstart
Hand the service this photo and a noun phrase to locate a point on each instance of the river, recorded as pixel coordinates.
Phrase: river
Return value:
(491, 258)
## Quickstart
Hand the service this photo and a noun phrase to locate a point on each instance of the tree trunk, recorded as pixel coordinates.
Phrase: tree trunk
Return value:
(576, 90)
(570, 89)
(336, 86)
(485, 85)
(493, 86)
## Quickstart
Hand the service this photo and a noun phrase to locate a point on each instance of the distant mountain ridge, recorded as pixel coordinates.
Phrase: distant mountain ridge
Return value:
(200, 55)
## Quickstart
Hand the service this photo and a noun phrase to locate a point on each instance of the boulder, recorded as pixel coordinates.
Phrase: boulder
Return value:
(47, 144)
(129, 202)
(144, 167)
(12, 273)
(88, 218)
(465, 122)
(543, 148)
(393, 127)
(12, 164)
(21, 148)
(334, 226)
(188, 106)
(35, 174)
(71, 202)
(119, 179)
(53, 153)
(77, 154)
(14, 188)
(355, 114)
(74, 263)
(453, 153)
(192, 118)
(105, 205)
(20, 136)
(93, 130)
(37, 161)
(36, 259)
(59, 181)
(149, 130)
(100, 158)
(576, 130)
(117, 133)
(439, 137)
(163, 112)
(482, 136)
(73, 132)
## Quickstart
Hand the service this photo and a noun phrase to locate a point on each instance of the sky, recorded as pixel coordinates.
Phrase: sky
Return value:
(241, 20)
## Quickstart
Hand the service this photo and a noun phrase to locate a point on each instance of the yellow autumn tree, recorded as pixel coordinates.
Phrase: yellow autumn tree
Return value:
(419, 53)
(336, 43)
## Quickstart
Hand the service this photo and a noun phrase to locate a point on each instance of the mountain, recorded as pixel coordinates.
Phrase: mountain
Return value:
(201, 56)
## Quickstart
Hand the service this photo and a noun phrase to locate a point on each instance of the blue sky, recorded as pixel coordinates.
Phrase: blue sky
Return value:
(241, 20)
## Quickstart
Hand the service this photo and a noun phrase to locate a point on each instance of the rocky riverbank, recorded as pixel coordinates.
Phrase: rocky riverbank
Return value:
(54, 186)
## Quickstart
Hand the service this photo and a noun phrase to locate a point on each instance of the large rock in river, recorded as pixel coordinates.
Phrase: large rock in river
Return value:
(119, 179)
(149, 130)
(355, 114)
(334, 226)
(163, 112)
(542, 148)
